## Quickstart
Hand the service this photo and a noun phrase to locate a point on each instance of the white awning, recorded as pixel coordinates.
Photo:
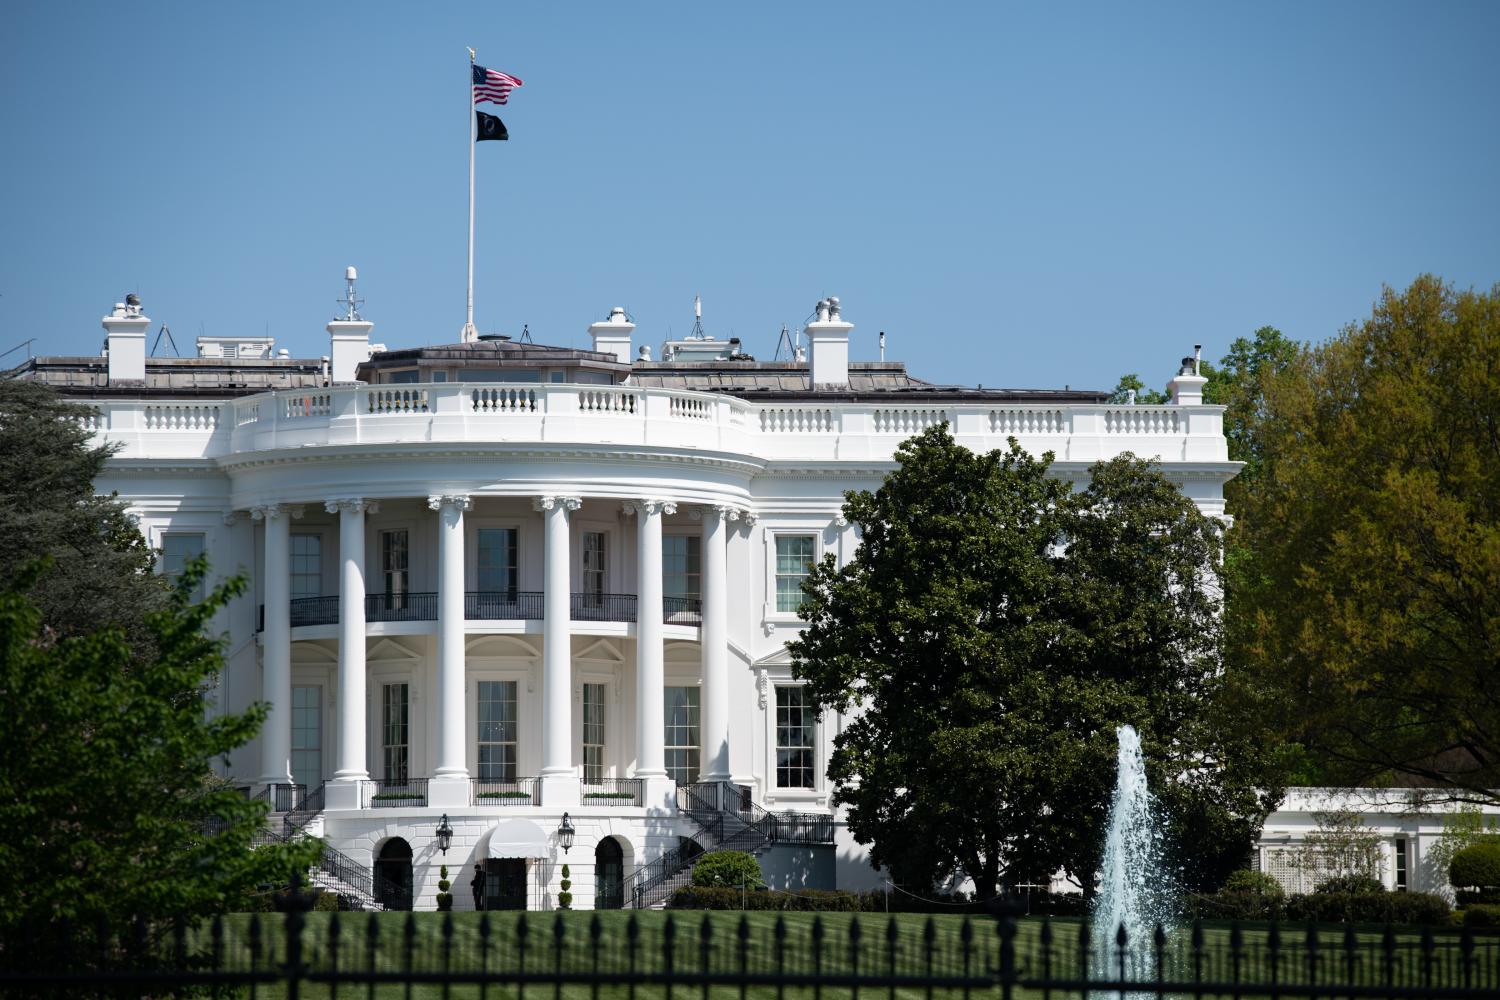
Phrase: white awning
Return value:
(518, 838)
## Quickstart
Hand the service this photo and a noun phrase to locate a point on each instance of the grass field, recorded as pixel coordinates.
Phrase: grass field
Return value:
(890, 953)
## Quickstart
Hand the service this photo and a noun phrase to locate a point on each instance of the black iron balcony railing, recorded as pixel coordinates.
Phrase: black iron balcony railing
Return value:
(287, 797)
(491, 605)
(388, 793)
(516, 792)
(613, 792)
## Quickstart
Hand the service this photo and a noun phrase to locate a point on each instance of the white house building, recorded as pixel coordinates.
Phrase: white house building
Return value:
(497, 584)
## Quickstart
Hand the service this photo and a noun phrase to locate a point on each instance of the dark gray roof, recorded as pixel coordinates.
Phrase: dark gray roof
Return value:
(867, 379)
(210, 377)
(493, 354)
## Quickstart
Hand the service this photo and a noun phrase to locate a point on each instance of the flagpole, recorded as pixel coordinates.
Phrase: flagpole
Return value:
(469, 333)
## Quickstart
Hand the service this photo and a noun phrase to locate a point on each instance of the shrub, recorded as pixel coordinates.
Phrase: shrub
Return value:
(727, 868)
(733, 898)
(564, 897)
(1254, 883)
(1352, 885)
(444, 897)
(1236, 905)
(1370, 908)
(1476, 866)
(1482, 915)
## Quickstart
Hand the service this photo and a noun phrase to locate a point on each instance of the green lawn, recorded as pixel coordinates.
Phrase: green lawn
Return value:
(897, 945)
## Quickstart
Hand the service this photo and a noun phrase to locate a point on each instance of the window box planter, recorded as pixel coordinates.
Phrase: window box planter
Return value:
(505, 797)
(609, 796)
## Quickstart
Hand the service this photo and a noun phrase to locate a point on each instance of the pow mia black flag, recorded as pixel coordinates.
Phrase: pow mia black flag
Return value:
(490, 127)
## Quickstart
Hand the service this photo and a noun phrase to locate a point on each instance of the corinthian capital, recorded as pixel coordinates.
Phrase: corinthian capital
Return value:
(460, 501)
(547, 503)
(352, 505)
(266, 511)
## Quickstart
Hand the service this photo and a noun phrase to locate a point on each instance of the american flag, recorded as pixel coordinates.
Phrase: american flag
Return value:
(493, 85)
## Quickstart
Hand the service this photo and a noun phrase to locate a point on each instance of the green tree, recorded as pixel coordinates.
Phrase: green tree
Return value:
(1238, 383)
(1144, 396)
(108, 809)
(994, 628)
(102, 569)
(1365, 620)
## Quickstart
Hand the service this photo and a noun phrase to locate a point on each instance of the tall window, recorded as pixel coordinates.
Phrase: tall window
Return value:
(593, 733)
(395, 735)
(680, 740)
(497, 730)
(681, 566)
(307, 735)
(497, 562)
(307, 566)
(393, 563)
(593, 563)
(794, 738)
(794, 560)
(1401, 883)
(177, 550)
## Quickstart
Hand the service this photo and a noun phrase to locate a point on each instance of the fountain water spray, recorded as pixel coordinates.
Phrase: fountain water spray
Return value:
(1136, 891)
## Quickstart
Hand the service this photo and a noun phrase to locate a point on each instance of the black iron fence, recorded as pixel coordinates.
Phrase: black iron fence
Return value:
(386, 793)
(504, 605)
(614, 792)
(652, 954)
(515, 792)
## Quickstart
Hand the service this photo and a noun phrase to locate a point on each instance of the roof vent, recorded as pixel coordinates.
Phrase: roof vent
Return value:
(494, 336)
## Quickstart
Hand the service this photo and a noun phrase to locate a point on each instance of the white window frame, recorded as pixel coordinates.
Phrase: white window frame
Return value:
(322, 728)
(604, 765)
(380, 707)
(520, 548)
(170, 572)
(689, 574)
(696, 728)
(774, 743)
(773, 566)
(516, 743)
(292, 562)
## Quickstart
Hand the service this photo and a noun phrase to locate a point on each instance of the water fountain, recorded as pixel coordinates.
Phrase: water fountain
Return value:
(1136, 890)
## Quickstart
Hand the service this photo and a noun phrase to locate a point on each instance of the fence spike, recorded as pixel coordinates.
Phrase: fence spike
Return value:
(372, 940)
(409, 944)
(1466, 954)
(1122, 943)
(216, 936)
(255, 942)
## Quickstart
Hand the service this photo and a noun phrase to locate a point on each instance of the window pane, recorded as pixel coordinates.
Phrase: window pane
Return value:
(497, 561)
(681, 566)
(497, 730)
(593, 563)
(393, 561)
(794, 559)
(394, 731)
(177, 550)
(680, 736)
(307, 566)
(794, 739)
(593, 733)
(307, 736)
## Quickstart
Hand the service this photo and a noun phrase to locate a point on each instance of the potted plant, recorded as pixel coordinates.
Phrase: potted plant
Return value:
(565, 898)
(444, 897)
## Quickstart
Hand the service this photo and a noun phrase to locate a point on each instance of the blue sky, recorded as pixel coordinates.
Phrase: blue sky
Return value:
(1024, 196)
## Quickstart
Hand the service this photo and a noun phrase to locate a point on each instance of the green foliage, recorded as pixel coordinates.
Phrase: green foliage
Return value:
(1476, 866)
(1482, 915)
(727, 868)
(564, 897)
(1370, 908)
(1143, 396)
(107, 807)
(1365, 577)
(996, 627)
(1462, 826)
(1238, 383)
(1254, 883)
(1356, 885)
(102, 570)
(444, 897)
(1343, 845)
(819, 900)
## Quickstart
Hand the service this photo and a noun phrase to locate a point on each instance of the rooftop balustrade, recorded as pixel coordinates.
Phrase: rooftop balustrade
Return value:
(856, 428)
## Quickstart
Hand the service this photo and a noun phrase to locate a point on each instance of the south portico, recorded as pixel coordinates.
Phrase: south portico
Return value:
(461, 612)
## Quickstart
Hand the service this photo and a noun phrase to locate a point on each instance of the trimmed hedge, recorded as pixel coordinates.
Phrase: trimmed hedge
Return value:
(1476, 867)
(1255, 883)
(726, 868)
(724, 898)
(1350, 885)
(1482, 915)
(1324, 907)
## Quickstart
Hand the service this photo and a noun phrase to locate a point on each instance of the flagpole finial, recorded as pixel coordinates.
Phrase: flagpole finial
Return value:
(472, 54)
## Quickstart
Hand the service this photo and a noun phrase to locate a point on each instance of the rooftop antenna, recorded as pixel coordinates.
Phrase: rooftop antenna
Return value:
(525, 335)
(164, 332)
(785, 344)
(697, 333)
(1197, 359)
(351, 304)
(882, 345)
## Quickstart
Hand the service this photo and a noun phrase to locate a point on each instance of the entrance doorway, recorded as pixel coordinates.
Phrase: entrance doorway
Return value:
(393, 875)
(505, 884)
(609, 875)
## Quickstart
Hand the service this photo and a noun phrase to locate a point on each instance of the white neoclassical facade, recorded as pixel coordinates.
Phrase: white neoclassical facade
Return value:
(496, 584)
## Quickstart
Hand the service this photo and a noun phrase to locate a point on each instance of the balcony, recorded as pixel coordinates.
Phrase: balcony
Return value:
(516, 792)
(614, 792)
(395, 793)
(479, 605)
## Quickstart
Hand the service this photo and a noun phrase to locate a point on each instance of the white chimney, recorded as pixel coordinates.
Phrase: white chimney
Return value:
(1187, 387)
(613, 335)
(125, 340)
(349, 338)
(828, 347)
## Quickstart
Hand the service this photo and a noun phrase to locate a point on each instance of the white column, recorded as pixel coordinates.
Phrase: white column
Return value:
(276, 643)
(714, 643)
(560, 783)
(352, 765)
(450, 784)
(649, 668)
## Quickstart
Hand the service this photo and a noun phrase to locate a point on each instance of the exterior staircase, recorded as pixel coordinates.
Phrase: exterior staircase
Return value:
(334, 871)
(727, 820)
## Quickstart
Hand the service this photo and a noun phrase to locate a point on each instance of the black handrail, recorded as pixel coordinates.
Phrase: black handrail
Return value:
(515, 792)
(682, 610)
(490, 605)
(408, 607)
(388, 792)
(315, 611)
(614, 791)
(285, 797)
(586, 607)
(504, 605)
(310, 804)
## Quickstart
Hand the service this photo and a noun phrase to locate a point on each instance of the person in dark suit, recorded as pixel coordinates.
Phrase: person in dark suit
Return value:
(477, 884)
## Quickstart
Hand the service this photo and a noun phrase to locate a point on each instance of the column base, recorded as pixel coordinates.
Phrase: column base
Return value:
(343, 793)
(448, 792)
(561, 790)
(658, 793)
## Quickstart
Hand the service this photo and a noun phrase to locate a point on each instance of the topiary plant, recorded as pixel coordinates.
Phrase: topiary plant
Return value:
(564, 897)
(1254, 884)
(727, 868)
(444, 897)
(1476, 866)
(1350, 885)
